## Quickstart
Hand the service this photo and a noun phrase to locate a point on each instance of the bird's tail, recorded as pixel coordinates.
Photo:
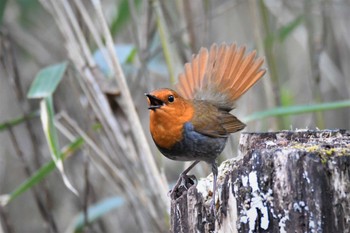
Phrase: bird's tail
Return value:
(220, 75)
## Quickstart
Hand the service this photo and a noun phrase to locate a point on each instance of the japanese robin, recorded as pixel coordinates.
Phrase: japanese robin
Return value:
(194, 122)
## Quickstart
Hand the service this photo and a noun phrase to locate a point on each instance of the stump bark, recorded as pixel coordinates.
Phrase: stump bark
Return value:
(281, 182)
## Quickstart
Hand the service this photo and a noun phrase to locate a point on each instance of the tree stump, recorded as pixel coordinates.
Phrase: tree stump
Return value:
(289, 181)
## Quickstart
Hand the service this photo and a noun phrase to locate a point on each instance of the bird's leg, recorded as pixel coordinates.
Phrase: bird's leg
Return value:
(184, 173)
(183, 177)
(214, 168)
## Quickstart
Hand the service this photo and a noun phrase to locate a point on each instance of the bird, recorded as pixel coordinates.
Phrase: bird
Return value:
(193, 122)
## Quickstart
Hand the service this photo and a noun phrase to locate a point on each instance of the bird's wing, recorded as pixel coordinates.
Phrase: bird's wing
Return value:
(220, 75)
(211, 121)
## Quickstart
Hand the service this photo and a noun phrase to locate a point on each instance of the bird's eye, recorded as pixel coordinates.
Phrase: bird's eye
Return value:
(171, 98)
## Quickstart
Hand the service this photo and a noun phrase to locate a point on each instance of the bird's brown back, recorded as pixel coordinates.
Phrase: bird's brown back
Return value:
(212, 121)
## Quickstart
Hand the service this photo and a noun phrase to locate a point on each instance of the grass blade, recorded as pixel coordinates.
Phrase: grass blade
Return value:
(164, 35)
(19, 120)
(123, 16)
(284, 32)
(293, 110)
(2, 9)
(40, 174)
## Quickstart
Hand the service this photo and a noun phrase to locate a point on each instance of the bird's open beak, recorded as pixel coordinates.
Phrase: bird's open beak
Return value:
(154, 102)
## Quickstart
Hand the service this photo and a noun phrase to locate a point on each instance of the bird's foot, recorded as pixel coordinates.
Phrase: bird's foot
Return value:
(182, 184)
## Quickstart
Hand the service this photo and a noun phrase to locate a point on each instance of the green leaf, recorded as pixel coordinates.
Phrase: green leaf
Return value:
(40, 174)
(47, 119)
(283, 32)
(286, 97)
(126, 54)
(97, 126)
(131, 58)
(28, 9)
(123, 15)
(16, 121)
(47, 80)
(286, 30)
(293, 110)
(2, 9)
(95, 212)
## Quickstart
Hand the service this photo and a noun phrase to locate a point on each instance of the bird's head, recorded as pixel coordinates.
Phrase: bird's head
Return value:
(168, 113)
(167, 101)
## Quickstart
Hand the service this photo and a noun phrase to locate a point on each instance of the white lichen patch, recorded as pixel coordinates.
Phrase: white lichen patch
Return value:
(245, 181)
(306, 177)
(314, 224)
(282, 221)
(205, 186)
(269, 144)
(299, 206)
(257, 203)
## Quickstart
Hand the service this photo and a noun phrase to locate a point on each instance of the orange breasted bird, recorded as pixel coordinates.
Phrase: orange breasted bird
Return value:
(194, 122)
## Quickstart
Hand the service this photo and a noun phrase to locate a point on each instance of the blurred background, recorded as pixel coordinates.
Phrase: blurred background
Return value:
(120, 178)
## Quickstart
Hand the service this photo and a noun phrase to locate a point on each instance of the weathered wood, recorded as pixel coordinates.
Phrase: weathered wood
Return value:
(281, 182)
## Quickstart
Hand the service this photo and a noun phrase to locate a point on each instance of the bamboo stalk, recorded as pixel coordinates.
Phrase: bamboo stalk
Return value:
(145, 188)
(128, 107)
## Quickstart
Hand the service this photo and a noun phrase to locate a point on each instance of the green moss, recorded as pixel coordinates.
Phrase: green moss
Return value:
(323, 152)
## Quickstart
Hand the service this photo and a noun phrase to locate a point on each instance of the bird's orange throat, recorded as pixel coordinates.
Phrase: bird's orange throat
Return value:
(166, 123)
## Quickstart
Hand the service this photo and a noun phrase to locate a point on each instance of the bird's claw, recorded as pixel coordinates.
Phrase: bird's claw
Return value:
(182, 184)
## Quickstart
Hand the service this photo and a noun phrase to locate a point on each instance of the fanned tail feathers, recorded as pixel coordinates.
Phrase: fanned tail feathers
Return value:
(220, 75)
